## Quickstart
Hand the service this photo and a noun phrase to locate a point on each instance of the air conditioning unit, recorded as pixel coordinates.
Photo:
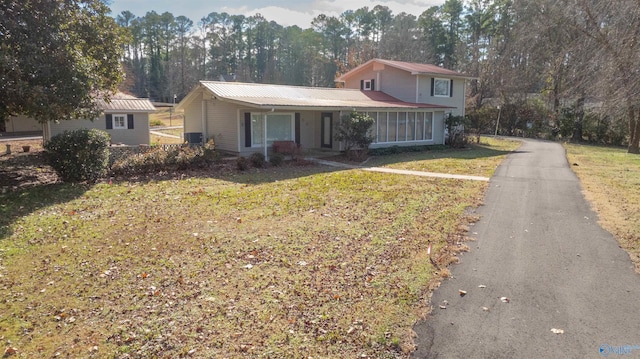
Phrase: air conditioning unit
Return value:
(193, 137)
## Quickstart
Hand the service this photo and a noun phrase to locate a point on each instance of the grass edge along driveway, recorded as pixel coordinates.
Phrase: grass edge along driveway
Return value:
(610, 179)
(284, 262)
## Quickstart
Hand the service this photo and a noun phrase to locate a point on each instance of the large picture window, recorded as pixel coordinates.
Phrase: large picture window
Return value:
(402, 126)
(280, 127)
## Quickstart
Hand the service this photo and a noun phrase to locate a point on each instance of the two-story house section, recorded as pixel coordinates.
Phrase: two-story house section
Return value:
(410, 82)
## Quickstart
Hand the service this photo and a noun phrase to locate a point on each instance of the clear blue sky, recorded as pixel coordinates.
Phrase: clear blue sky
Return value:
(284, 12)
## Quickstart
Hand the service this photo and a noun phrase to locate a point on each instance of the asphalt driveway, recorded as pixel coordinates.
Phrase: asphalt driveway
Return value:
(540, 262)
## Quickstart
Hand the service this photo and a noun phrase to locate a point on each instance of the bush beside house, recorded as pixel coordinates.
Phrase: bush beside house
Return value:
(79, 155)
(353, 130)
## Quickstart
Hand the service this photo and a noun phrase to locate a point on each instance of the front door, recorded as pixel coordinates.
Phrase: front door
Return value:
(326, 132)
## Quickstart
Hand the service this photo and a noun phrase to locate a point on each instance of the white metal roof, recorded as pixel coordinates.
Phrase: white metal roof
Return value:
(128, 103)
(264, 95)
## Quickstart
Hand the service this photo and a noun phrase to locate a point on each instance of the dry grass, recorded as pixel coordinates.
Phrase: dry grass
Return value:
(282, 262)
(610, 179)
(162, 140)
(167, 116)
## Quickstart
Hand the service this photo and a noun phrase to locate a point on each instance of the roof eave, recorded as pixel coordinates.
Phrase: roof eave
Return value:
(456, 76)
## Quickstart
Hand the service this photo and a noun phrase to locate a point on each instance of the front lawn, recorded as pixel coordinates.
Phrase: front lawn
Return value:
(478, 160)
(281, 262)
(610, 179)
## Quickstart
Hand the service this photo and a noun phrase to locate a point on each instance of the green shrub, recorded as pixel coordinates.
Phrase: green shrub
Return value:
(242, 163)
(79, 155)
(156, 122)
(276, 159)
(257, 159)
(354, 131)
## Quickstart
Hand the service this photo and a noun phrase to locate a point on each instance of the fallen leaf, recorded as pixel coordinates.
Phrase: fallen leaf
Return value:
(462, 292)
(10, 351)
(482, 286)
(505, 299)
(486, 309)
(248, 266)
(443, 307)
(238, 220)
(557, 331)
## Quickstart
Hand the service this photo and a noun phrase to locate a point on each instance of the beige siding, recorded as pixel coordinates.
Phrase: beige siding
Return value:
(365, 74)
(136, 136)
(193, 115)
(222, 124)
(398, 83)
(457, 101)
(438, 127)
(22, 124)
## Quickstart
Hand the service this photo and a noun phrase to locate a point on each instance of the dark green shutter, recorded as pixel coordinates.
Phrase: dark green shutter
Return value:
(247, 129)
(297, 128)
(433, 86)
(451, 88)
(373, 85)
(109, 118)
(361, 84)
(130, 121)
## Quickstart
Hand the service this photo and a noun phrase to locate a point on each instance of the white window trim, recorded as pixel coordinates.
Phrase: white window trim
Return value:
(367, 86)
(448, 94)
(263, 117)
(117, 126)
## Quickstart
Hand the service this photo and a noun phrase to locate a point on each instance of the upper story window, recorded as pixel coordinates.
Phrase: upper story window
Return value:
(368, 85)
(119, 122)
(441, 87)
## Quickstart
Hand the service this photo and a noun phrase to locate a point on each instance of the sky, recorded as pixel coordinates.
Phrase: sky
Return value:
(284, 12)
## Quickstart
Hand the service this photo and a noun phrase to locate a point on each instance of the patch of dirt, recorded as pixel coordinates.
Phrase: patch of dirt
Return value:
(20, 169)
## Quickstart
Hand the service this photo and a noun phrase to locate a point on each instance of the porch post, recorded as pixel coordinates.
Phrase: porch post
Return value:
(264, 142)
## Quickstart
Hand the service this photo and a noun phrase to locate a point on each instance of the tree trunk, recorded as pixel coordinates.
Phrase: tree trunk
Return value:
(577, 123)
(634, 130)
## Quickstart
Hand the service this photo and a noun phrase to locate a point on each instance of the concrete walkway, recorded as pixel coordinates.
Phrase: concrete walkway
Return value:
(162, 134)
(397, 171)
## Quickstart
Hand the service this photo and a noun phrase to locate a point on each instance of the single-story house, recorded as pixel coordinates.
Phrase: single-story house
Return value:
(125, 118)
(409, 103)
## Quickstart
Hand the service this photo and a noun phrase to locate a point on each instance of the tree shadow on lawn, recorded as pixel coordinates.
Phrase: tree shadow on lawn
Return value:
(229, 173)
(19, 203)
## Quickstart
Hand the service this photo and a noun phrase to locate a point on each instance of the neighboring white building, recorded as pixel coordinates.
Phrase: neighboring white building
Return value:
(408, 101)
(125, 118)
